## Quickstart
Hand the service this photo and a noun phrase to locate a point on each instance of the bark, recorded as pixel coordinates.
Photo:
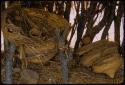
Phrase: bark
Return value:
(67, 10)
(105, 32)
(91, 33)
(62, 57)
(90, 13)
(117, 22)
(8, 51)
(74, 27)
(60, 8)
(123, 41)
(9, 63)
(109, 22)
(80, 28)
(50, 6)
(96, 29)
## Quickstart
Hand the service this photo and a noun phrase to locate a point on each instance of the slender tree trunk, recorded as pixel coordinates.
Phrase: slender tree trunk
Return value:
(74, 27)
(123, 42)
(109, 22)
(62, 57)
(67, 11)
(117, 23)
(50, 6)
(90, 13)
(60, 8)
(9, 63)
(80, 27)
(107, 16)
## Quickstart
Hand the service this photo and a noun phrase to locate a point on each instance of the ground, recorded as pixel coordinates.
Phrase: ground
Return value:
(51, 73)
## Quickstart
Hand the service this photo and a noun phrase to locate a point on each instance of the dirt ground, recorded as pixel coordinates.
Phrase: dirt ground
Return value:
(51, 74)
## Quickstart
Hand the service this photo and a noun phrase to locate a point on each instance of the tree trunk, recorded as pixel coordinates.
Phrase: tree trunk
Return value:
(9, 63)
(67, 10)
(117, 23)
(80, 27)
(50, 6)
(91, 32)
(60, 8)
(123, 41)
(109, 22)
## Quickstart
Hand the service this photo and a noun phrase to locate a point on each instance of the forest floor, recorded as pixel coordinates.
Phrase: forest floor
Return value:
(51, 74)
